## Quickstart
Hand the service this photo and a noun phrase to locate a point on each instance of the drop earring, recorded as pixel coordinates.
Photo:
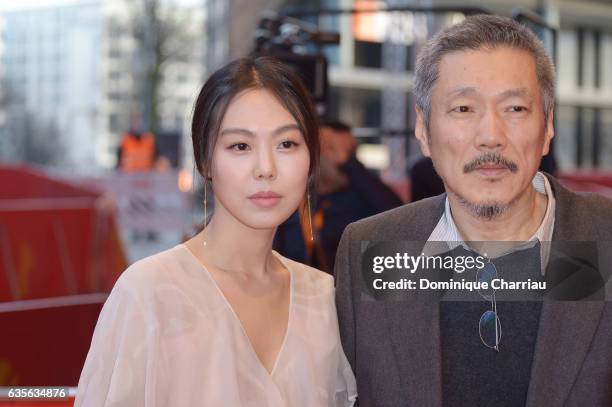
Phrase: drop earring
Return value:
(310, 217)
(205, 209)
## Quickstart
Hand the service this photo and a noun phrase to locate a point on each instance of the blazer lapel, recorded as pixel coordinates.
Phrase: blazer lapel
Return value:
(414, 328)
(566, 328)
(564, 335)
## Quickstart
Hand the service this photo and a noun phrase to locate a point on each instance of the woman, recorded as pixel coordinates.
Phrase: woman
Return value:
(223, 320)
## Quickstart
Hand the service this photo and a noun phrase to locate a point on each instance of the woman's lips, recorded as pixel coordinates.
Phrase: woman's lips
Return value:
(265, 199)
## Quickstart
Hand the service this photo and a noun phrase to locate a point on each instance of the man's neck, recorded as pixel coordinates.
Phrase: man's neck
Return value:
(518, 223)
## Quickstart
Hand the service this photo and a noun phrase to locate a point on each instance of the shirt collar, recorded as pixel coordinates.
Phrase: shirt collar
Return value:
(446, 230)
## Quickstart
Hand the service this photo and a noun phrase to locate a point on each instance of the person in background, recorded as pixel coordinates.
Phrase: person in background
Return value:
(424, 180)
(346, 192)
(137, 151)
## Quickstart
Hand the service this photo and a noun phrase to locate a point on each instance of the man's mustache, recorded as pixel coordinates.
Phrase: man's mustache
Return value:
(490, 158)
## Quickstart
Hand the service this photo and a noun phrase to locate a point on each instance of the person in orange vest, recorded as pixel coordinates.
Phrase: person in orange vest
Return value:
(137, 152)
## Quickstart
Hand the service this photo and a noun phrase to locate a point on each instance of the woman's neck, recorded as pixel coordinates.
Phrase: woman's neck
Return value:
(230, 245)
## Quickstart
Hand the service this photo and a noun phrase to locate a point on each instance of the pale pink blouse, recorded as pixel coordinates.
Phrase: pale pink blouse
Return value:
(167, 336)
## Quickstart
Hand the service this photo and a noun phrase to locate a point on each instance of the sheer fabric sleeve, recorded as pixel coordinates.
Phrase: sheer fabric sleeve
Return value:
(120, 366)
(346, 388)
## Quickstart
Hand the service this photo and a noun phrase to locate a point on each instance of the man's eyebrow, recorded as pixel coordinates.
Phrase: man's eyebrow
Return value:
(249, 133)
(518, 92)
(463, 91)
(471, 90)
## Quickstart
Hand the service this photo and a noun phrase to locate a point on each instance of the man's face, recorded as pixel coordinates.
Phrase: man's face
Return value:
(487, 131)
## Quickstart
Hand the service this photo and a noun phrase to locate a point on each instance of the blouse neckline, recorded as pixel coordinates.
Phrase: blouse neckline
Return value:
(237, 321)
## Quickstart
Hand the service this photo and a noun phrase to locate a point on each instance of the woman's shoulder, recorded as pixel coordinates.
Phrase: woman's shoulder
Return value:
(166, 267)
(309, 277)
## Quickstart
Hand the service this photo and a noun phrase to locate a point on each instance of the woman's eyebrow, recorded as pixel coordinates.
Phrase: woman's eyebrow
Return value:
(236, 130)
(249, 133)
(286, 127)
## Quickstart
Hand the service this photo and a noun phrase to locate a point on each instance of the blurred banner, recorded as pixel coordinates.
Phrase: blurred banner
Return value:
(56, 239)
(147, 201)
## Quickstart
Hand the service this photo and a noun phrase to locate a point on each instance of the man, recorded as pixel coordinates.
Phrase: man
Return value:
(346, 192)
(484, 93)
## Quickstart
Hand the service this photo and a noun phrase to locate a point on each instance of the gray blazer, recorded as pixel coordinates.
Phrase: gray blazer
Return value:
(394, 347)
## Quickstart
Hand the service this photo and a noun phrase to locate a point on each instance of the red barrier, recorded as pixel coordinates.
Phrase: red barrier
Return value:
(29, 403)
(56, 240)
(23, 182)
(603, 178)
(45, 342)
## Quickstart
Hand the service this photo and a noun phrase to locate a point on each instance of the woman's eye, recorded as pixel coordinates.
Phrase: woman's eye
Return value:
(518, 109)
(287, 144)
(239, 147)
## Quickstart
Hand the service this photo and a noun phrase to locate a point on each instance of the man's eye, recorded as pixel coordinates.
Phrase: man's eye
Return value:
(239, 147)
(287, 144)
(462, 109)
(518, 109)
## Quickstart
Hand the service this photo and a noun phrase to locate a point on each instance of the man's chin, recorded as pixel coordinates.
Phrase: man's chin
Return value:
(489, 210)
(486, 209)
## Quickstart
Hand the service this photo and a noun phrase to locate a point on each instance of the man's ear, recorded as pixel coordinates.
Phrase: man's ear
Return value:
(549, 133)
(420, 131)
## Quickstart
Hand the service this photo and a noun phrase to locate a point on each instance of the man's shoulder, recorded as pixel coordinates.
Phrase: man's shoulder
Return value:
(588, 205)
(413, 221)
(586, 210)
(595, 202)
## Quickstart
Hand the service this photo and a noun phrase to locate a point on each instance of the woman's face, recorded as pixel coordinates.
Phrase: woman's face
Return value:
(260, 161)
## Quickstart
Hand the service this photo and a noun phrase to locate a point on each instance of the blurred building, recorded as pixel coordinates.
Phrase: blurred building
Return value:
(230, 28)
(73, 70)
(371, 70)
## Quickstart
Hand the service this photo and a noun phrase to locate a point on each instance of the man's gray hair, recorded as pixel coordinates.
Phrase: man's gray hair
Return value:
(474, 33)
